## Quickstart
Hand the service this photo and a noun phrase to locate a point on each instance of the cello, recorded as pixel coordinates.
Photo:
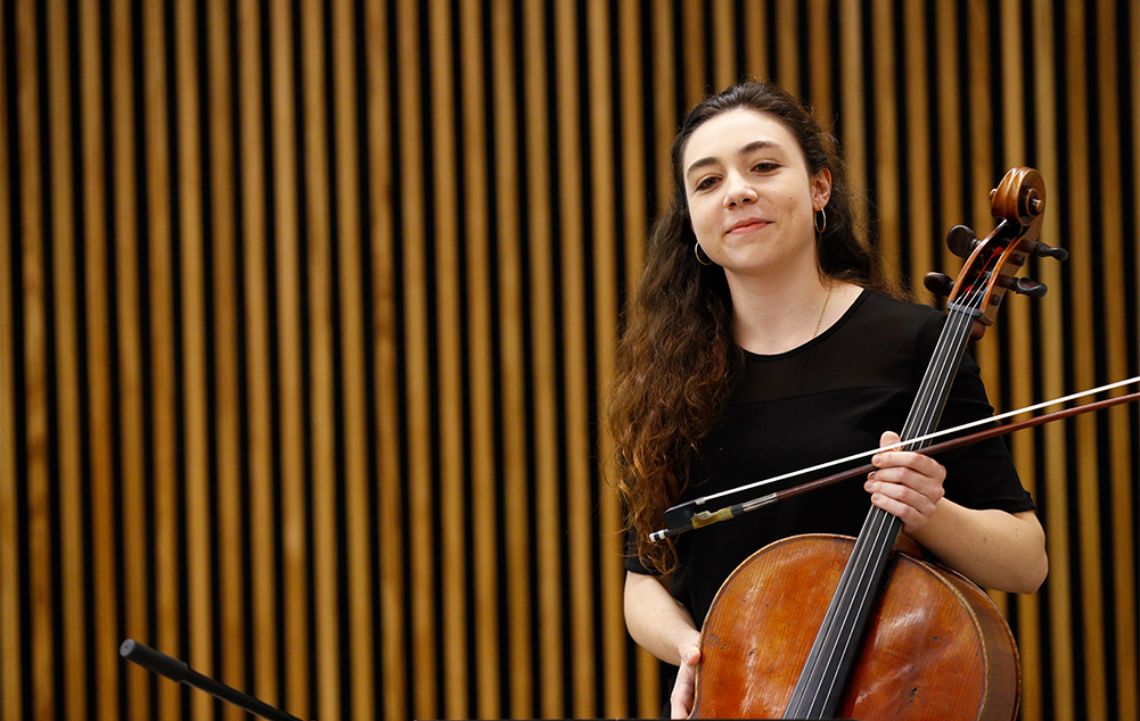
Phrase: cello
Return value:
(874, 633)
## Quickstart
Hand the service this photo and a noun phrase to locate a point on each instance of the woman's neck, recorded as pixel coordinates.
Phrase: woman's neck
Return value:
(777, 313)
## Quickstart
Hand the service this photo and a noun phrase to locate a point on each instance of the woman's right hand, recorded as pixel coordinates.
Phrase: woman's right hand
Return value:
(681, 700)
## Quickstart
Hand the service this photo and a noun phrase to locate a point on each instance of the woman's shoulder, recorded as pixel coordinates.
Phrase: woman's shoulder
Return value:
(886, 319)
(885, 306)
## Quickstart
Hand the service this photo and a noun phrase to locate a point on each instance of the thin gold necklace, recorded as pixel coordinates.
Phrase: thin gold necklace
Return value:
(823, 310)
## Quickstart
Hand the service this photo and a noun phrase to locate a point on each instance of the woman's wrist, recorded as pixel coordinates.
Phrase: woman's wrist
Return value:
(689, 642)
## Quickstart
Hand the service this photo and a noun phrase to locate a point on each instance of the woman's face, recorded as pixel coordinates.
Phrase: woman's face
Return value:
(751, 199)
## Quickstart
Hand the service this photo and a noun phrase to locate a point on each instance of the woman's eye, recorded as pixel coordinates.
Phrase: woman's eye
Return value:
(765, 166)
(706, 183)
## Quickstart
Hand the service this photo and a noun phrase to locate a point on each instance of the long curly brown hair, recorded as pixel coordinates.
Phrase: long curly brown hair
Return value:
(677, 362)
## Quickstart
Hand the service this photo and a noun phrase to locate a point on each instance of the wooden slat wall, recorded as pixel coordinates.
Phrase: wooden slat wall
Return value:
(307, 314)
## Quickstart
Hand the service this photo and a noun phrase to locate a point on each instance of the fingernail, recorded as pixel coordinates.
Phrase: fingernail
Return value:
(875, 460)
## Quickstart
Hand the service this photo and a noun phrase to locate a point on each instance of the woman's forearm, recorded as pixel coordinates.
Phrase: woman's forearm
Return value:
(655, 620)
(993, 548)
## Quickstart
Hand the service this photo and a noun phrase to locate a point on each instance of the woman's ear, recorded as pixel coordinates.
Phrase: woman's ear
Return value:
(820, 189)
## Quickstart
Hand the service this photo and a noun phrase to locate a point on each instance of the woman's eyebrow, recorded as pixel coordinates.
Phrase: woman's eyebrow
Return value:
(749, 148)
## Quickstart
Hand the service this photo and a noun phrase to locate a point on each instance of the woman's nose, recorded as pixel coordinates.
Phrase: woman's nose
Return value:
(738, 190)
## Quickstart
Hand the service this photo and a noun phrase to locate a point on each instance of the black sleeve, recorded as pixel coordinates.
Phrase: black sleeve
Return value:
(631, 561)
(981, 475)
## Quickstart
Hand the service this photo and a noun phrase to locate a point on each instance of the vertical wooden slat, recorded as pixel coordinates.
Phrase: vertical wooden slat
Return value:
(952, 205)
(575, 431)
(418, 425)
(1116, 353)
(480, 374)
(540, 228)
(918, 225)
(1084, 374)
(1053, 350)
(693, 69)
(665, 97)
(450, 368)
(223, 187)
(11, 691)
(191, 245)
(38, 445)
(787, 65)
(72, 689)
(381, 160)
(168, 580)
(287, 230)
(1134, 35)
(854, 130)
(389, 423)
(263, 574)
(130, 344)
(323, 420)
(602, 194)
(821, 45)
(887, 200)
(980, 130)
(755, 46)
(360, 603)
(633, 144)
(1022, 361)
(512, 368)
(724, 51)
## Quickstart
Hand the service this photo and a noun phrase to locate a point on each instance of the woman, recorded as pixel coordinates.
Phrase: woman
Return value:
(761, 342)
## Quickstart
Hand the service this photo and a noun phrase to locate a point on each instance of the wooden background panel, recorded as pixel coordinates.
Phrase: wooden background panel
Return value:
(307, 317)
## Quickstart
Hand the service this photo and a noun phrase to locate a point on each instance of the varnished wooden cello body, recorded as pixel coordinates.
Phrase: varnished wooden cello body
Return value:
(823, 626)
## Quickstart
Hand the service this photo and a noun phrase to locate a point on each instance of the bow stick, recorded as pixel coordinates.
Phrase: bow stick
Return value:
(687, 516)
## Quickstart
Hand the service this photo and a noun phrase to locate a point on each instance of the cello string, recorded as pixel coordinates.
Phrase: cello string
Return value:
(879, 525)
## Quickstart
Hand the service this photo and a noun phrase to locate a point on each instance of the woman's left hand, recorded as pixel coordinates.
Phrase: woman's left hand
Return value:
(905, 484)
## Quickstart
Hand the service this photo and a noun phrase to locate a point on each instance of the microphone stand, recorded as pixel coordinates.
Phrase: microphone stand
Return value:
(176, 670)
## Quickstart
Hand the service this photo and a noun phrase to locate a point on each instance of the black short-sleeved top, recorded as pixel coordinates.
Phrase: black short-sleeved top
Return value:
(826, 399)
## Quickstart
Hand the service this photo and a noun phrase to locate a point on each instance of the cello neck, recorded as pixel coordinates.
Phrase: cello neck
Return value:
(818, 690)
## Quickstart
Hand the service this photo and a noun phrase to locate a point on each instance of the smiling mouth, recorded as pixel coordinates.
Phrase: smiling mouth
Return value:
(748, 226)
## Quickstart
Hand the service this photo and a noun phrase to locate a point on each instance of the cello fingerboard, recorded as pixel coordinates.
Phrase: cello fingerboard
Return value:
(825, 673)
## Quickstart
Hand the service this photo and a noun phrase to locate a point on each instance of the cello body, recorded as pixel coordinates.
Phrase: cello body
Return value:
(936, 647)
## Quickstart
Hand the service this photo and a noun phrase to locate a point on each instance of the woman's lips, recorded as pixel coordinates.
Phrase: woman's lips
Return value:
(747, 226)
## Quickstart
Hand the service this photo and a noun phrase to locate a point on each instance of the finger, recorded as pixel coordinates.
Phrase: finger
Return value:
(677, 710)
(908, 459)
(900, 510)
(889, 439)
(922, 499)
(682, 695)
(928, 487)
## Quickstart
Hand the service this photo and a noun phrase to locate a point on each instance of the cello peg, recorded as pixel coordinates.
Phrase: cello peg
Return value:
(938, 283)
(961, 240)
(1028, 287)
(1048, 251)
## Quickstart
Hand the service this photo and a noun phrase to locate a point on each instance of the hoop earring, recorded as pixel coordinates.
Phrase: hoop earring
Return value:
(697, 252)
(820, 227)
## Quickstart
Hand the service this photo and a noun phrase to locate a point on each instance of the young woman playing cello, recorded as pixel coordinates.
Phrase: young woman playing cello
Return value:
(761, 341)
